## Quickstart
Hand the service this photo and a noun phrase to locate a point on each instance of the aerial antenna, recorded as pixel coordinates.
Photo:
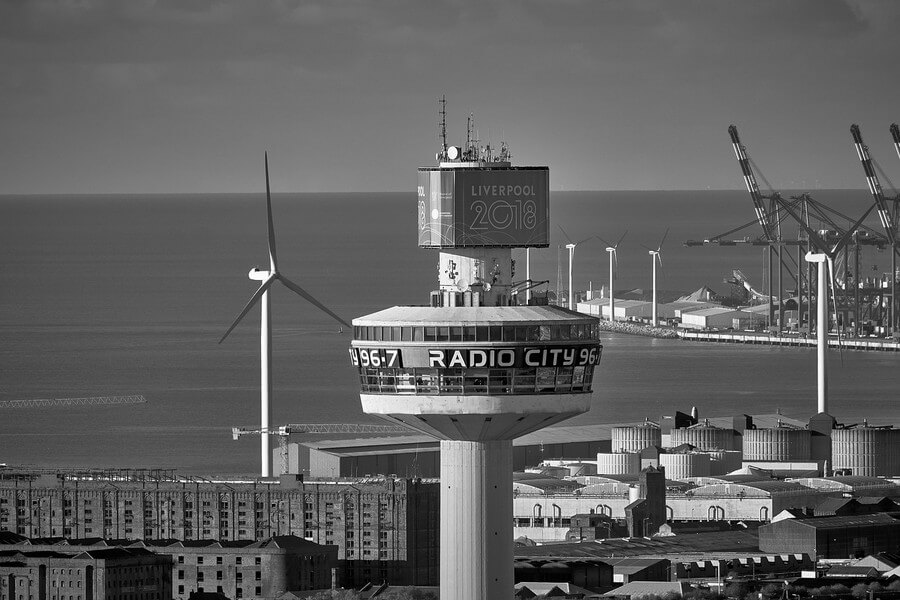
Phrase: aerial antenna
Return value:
(469, 120)
(443, 127)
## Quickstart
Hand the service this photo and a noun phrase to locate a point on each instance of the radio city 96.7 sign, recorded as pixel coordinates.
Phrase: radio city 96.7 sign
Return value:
(474, 358)
(474, 207)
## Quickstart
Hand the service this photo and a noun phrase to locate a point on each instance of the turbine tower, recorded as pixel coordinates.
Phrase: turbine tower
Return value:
(265, 332)
(654, 257)
(571, 248)
(613, 263)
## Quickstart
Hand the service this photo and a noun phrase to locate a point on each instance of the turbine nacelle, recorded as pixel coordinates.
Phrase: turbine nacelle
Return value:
(257, 274)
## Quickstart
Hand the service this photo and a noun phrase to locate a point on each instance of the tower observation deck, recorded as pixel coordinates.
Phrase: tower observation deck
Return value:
(473, 368)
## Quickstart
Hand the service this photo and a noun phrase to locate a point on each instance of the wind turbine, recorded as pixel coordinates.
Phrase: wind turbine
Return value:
(654, 257)
(613, 264)
(824, 257)
(571, 248)
(265, 332)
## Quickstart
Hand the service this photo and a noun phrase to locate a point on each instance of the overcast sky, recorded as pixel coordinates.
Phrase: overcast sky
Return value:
(185, 95)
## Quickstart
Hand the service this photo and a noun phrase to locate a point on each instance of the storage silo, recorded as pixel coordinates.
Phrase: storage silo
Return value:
(618, 463)
(634, 438)
(685, 464)
(580, 469)
(704, 437)
(776, 444)
(865, 451)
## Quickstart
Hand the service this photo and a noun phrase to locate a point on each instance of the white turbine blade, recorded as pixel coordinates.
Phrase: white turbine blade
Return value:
(608, 245)
(253, 300)
(615, 264)
(621, 238)
(834, 301)
(273, 262)
(584, 240)
(659, 257)
(306, 295)
(568, 239)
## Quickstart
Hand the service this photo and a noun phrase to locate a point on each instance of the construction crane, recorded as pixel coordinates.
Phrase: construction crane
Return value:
(763, 216)
(768, 220)
(284, 432)
(89, 401)
(884, 212)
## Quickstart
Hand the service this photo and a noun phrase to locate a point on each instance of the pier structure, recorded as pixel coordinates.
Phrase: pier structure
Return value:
(474, 369)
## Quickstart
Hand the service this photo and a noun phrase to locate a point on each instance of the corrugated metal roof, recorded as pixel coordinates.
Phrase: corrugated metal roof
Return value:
(705, 544)
(848, 482)
(840, 522)
(506, 315)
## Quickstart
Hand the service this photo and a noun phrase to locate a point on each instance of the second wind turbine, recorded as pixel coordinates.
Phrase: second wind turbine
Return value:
(265, 332)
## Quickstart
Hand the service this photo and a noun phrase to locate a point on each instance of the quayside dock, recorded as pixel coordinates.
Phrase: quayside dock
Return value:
(877, 345)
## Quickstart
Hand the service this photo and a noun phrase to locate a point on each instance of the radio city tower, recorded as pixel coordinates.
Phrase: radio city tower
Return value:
(475, 368)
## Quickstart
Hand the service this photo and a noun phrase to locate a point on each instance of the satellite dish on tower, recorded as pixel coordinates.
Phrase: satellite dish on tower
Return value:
(452, 152)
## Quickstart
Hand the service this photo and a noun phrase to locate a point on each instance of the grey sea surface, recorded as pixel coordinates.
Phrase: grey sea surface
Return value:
(113, 295)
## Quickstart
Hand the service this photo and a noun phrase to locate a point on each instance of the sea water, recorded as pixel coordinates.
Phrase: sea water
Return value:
(114, 295)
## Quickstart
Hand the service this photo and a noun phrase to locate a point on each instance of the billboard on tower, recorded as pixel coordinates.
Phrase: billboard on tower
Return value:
(471, 207)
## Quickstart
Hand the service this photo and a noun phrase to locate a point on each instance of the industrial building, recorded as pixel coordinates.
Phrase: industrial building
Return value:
(384, 528)
(241, 569)
(626, 310)
(851, 536)
(99, 573)
(719, 317)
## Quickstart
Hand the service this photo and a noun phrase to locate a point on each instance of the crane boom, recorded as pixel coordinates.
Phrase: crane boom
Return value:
(740, 153)
(887, 220)
(89, 401)
(286, 430)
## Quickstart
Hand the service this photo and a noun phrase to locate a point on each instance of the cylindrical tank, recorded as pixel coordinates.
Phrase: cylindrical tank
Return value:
(618, 463)
(554, 471)
(634, 438)
(776, 444)
(722, 462)
(687, 464)
(865, 451)
(580, 469)
(704, 437)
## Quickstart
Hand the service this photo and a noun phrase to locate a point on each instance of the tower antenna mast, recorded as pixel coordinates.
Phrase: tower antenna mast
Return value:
(443, 127)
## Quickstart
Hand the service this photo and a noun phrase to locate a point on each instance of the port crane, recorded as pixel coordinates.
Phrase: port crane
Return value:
(887, 218)
(803, 209)
(88, 401)
(283, 432)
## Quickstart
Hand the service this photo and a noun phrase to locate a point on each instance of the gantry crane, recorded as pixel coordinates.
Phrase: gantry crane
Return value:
(884, 212)
(768, 219)
(284, 432)
(763, 216)
(895, 133)
(89, 401)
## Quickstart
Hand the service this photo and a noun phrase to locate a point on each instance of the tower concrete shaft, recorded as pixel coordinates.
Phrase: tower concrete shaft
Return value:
(476, 520)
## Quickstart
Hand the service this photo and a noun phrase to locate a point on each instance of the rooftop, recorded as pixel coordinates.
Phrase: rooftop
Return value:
(427, 315)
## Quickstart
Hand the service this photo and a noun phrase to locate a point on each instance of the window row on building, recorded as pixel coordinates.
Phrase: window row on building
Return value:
(477, 333)
(501, 382)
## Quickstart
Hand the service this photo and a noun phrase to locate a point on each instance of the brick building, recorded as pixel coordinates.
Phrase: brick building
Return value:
(27, 573)
(384, 528)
